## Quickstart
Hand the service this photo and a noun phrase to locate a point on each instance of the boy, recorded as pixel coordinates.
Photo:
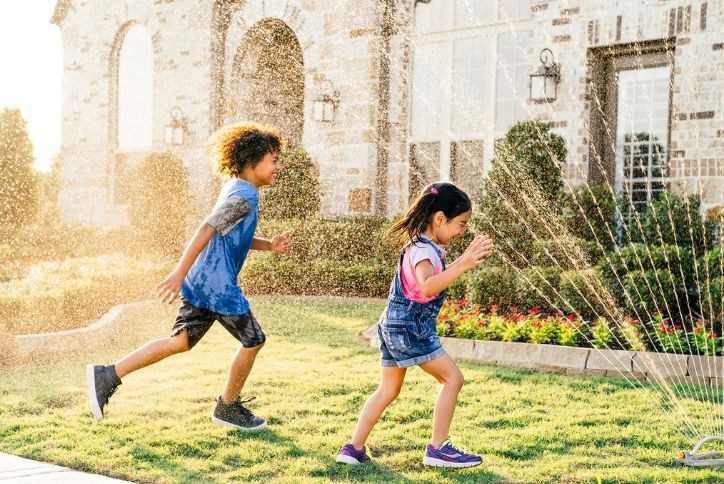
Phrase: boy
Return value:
(206, 276)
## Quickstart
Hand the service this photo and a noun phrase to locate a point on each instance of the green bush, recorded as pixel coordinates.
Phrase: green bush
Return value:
(159, 203)
(71, 293)
(19, 183)
(672, 220)
(656, 291)
(564, 253)
(525, 168)
(296, 191)
(537, 287)
(489, 286)
(590, 214)
(584, 292)
(712, 300)
(269, 274)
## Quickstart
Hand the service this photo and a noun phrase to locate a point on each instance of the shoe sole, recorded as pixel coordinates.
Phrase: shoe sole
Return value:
(430, 461)
(224, 423)
(92, 398)
(347, 459)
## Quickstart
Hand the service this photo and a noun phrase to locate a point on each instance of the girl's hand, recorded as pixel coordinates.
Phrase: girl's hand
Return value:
(281, 243)
(479, 249)
(168, 290)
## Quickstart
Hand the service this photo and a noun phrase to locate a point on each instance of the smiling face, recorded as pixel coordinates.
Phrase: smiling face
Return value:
(265, 172)
(445, 230)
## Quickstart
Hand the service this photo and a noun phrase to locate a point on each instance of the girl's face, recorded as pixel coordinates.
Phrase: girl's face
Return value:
(447, 229)
(265, 172)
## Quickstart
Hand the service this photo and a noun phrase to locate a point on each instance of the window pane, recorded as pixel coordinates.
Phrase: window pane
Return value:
(474, 12)
(433, 16)
(642, 132)
(513, 9)
(511, 94)
(426, 91)
(469, 96)
(135, 91)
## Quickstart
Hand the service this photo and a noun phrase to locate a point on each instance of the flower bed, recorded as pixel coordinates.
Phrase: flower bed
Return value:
(461, 319)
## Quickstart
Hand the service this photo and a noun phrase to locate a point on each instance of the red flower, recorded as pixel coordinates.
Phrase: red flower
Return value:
(712, 336)
(463, 302)
(534, 310)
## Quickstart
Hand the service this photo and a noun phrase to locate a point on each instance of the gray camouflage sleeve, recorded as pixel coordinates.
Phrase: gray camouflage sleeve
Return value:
(228, 214)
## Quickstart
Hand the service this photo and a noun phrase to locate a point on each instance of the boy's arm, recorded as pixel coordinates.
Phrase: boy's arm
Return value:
(171, 286)
(280, 243)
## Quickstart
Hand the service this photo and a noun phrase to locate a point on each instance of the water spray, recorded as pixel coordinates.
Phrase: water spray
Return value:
(702, 459)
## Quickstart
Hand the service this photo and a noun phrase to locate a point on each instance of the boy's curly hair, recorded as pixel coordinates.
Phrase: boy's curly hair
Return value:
(237, 146)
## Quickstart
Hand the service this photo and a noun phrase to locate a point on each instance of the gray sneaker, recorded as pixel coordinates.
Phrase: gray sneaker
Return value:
(102, 383)
(236, 415)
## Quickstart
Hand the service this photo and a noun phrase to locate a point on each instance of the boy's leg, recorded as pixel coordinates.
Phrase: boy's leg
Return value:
(446, 372)
(153, 352)
(390, 385)
(241, 365)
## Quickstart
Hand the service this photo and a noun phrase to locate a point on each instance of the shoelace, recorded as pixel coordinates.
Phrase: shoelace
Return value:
(110, 392)
(239, 403)
(450, 445)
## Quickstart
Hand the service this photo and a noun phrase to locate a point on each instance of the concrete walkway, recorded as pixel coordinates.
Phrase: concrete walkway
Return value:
(18, 469)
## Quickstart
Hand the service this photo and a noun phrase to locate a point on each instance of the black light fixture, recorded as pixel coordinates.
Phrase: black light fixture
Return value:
(544, 81)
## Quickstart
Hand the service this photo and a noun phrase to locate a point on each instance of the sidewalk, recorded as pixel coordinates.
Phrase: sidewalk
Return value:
(18, 469)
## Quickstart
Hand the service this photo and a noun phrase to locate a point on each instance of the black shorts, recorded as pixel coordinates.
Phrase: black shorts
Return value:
(197, 322)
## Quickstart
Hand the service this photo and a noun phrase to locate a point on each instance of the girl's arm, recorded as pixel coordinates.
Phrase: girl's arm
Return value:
(171, 286)
(280, 243)
(430, 283)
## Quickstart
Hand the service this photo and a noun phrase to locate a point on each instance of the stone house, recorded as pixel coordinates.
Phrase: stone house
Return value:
(387, 95)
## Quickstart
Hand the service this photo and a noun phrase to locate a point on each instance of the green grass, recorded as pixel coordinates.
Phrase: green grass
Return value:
(310, 382)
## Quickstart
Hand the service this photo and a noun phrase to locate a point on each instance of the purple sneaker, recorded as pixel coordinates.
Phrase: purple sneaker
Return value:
(349, 455)
(449, 456)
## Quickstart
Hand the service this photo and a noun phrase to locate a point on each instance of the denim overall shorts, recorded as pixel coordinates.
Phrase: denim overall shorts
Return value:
(407, 329)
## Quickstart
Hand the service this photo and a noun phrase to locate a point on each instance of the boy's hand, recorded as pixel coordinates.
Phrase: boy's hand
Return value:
(479, 249)
(281, 243)
(168, 290)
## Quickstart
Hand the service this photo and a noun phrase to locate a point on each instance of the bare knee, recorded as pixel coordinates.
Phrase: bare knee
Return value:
(388, 394)
(180, 342)
(255, 349)
(454, 381)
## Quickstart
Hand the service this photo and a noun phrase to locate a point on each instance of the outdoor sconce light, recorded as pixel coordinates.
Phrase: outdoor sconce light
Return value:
(544, 81)
(174, 133)
(325, 105)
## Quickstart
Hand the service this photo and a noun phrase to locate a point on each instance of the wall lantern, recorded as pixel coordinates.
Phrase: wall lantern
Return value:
(325, 105)
(544, 81)
(174, 133)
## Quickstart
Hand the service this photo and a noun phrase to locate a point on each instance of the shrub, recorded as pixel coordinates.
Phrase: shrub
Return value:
(296, 191)
(602, 334)
(712, 299)
(656, 291)
(19, 199)
(536, 287)
(159, 203)
(590, 214)
(672, 220)
(544, 331)
(671, 337)
(632, 334)
(525, 168)
(564, 253)
(490, 286)
(569, 331)
(706, 342)
(584, 292)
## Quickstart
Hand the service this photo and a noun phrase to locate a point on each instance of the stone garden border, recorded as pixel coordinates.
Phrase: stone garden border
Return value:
(633, 365)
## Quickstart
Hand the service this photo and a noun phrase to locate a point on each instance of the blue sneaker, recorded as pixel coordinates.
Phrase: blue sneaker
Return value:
(349, 455)
(449, 456)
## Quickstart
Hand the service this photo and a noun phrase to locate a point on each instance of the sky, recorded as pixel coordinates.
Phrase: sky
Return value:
(31, 72)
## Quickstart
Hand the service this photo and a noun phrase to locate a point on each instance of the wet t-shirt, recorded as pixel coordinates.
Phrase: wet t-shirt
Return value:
(414, 253)
(212, 281)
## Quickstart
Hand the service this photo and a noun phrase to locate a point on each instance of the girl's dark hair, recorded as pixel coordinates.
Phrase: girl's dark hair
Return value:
(437, 197)
(244, 144)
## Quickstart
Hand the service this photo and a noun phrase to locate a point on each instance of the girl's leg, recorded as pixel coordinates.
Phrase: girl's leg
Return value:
(446, 372)
(241, 365)
(152, 352)
(392, 378)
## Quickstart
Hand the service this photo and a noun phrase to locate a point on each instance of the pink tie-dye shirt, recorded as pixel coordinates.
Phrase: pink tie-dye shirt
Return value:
(415, 253)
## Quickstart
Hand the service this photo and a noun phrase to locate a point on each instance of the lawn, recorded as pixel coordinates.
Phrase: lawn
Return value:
(310, 382)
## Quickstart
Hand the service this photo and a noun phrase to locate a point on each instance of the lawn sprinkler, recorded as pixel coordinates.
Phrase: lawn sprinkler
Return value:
(702, 459)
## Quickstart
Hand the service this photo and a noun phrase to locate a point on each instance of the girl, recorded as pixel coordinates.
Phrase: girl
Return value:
(407, 327)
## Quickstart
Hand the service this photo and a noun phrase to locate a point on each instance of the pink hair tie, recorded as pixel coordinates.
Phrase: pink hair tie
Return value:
(434, 191)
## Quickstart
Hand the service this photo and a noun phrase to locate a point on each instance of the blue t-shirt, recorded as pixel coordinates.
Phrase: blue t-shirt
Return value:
(212, 281)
